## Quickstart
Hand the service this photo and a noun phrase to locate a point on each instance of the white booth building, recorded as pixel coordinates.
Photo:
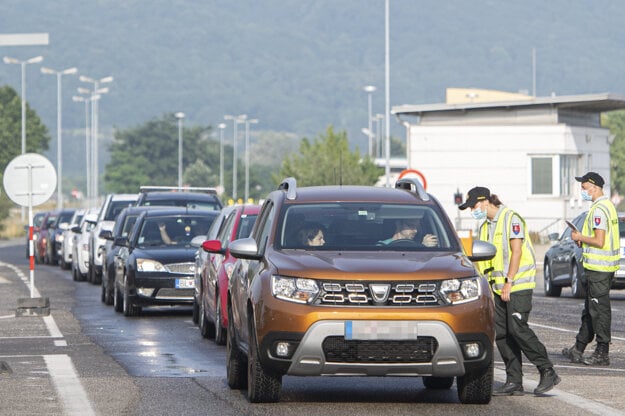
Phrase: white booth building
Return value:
(525, 149)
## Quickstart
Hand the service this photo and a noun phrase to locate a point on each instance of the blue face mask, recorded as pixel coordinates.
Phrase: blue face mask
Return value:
(478, 214)
(586, 196)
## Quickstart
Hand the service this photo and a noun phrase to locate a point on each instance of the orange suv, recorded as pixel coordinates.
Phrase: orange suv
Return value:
(387, 291)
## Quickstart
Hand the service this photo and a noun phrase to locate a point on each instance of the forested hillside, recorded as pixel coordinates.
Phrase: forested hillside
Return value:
(300, 65)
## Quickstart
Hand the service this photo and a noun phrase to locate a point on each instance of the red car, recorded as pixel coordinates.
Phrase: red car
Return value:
(214, 266)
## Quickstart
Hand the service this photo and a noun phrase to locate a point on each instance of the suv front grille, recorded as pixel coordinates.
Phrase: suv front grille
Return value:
(379, 294)
(339, 350)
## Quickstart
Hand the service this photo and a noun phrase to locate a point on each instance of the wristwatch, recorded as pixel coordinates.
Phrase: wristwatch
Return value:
(507, 279)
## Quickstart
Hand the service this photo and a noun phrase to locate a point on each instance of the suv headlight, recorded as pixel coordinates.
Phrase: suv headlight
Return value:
(461, 290)
(294, 289)
(149, 265)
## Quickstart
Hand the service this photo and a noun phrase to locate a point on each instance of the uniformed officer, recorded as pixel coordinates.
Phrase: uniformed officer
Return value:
(600, 241)
(512, 275)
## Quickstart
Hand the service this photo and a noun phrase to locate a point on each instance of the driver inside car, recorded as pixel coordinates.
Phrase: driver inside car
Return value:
(407, 229)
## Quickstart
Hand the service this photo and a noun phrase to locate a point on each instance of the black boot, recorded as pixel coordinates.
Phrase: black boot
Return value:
(573, 354)
(548, 379)
(600, 356)
(509, 389)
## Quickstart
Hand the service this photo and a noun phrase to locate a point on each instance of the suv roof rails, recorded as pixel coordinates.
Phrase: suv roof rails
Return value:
(290, 186)
(409, 183)
(147, 188)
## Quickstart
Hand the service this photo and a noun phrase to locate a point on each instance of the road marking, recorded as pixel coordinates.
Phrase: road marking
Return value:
(593, 407)
(53, 329)
(23, 277)
(68, 386)
(555, 328)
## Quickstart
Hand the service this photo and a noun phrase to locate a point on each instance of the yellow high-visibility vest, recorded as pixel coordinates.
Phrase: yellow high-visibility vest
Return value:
(525, 277)
(606, 258)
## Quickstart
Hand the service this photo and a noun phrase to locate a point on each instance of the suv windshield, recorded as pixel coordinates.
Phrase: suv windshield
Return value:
(365, 226)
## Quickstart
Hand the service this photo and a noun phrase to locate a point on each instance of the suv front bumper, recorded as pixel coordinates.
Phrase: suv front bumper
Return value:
(412, 348)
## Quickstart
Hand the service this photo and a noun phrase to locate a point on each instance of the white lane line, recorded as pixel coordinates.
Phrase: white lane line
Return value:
(53, 329)
(593, 407)
(23, 277)
(555, 328)
(68, 386)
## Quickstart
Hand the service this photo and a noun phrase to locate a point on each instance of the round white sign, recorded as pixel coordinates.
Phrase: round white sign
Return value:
(29, 179)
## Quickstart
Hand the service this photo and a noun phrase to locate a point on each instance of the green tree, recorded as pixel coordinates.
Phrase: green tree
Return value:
(37, 136)
(615, 121)
(327, 160)
(148, 155)
(198, 174)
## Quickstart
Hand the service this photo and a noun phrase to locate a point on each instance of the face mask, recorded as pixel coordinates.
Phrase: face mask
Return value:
(586, 196)
(478, 214)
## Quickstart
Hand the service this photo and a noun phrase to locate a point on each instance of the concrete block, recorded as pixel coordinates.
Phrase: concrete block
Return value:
(33, 307)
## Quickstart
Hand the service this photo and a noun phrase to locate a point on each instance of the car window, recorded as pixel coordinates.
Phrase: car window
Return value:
(115, 207)
(365, 226)
(246, 223)
(262, 233)
(621, 228)
(226, 229)
(164, 231)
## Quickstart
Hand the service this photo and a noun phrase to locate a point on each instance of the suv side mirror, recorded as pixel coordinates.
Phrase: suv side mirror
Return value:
(76, 229)
(121, 241)
(553, 236)
(245, 248)
(213, 246)
(106, 234)
(482, 250)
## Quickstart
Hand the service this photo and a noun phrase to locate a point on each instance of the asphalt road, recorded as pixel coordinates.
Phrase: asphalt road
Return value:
(85, 359)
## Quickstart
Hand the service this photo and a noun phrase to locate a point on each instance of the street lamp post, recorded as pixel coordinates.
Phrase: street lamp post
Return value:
(369, 89)
(180, 116)
(221, 126)
(236, 120)
(378, 142)
(86, 100)
(34, 60)
(247, 156)
(94, 126)
(59, 129)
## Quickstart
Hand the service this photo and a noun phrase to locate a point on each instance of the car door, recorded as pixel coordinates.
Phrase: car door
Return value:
(565, 251)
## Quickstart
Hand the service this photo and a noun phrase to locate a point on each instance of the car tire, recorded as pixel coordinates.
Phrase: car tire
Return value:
(262, 386)
(118, 304)
(550, 289)
(577, 285)
(207, 328)
(196, 313)
(74, 273)
(476, 387)
(236, 363)
(129, 308)
(220, 331)
(438, 383)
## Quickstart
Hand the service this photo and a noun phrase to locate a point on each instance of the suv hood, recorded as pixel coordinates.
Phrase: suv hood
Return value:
(375, 264)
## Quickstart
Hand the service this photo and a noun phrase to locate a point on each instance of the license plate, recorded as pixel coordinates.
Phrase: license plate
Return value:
(381, 330)
(185, 284)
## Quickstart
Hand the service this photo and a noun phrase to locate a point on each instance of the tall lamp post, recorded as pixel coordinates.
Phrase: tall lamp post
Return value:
(59, 129)
(247, 156)
(86, 100)
(369, 89)
(221, 126)
(236, 120)
(94, 126)
(180, 116)
(34, 60)
(378, 142)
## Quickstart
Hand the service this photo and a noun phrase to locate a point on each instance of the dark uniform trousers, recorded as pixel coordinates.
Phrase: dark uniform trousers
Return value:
(597, 313)
(514, 336)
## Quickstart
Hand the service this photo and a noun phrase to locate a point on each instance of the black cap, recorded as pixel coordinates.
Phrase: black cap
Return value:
(592, 177)
(475, 195)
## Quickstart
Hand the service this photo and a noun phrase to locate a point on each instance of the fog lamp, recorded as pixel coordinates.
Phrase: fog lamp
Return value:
(144, 291)
(283, 349)
(472, 350)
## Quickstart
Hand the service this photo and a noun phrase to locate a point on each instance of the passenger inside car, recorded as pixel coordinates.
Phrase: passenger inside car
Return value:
(311, 235)
(407, 230)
